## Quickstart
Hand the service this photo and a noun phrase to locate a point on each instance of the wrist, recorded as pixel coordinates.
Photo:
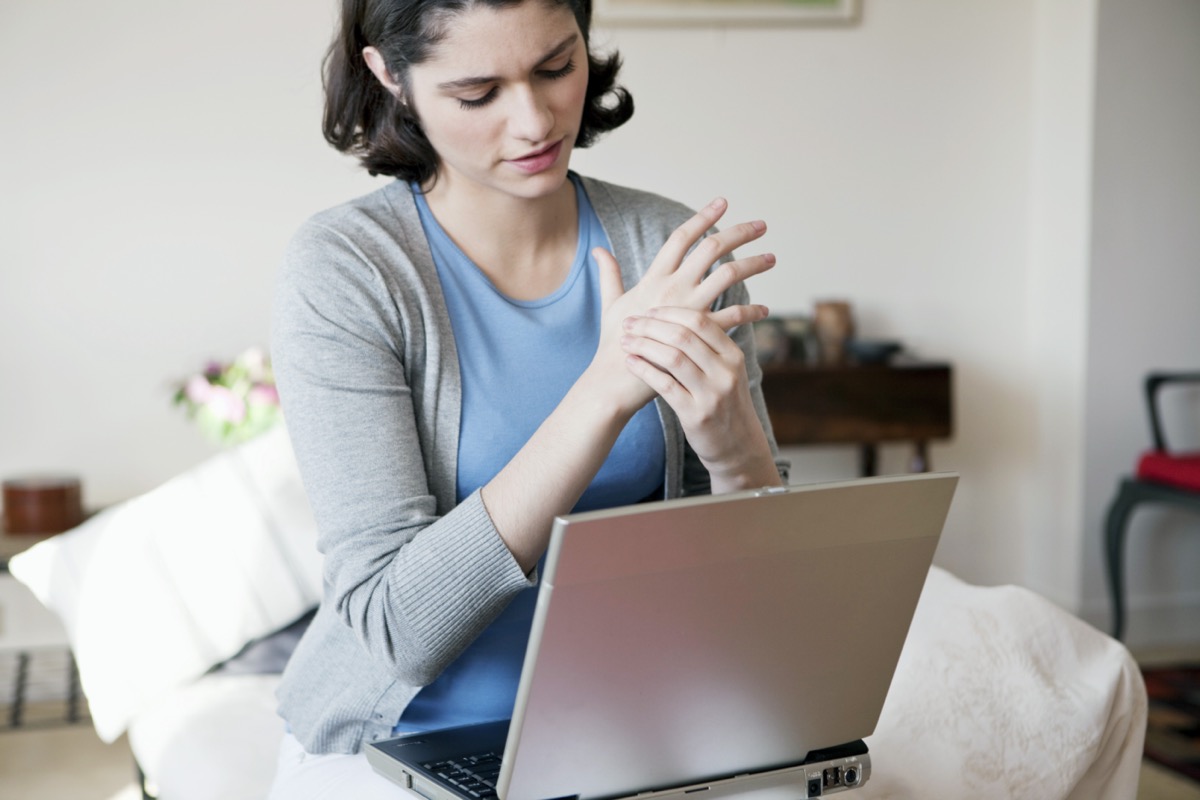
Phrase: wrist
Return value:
(751, 466)
(612, 398)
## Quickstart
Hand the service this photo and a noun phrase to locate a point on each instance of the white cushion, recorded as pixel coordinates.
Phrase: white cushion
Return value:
(155, 591)
(215, 738)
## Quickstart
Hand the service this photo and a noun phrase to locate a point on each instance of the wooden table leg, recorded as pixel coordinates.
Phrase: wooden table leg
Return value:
(868, 460)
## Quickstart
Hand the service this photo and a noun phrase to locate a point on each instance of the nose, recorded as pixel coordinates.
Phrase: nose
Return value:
(531, 117)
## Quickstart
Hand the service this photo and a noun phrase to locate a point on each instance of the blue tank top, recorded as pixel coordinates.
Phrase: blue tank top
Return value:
(517, 359)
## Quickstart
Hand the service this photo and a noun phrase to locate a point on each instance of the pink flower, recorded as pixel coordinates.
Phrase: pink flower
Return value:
(262, 395)
(254, 361)
(198, 389)
(225, 405)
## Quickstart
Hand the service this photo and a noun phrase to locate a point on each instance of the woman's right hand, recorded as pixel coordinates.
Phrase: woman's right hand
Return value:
(675, 278)
(550, 473)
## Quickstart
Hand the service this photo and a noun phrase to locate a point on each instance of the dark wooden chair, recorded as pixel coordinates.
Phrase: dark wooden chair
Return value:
(1162, 476)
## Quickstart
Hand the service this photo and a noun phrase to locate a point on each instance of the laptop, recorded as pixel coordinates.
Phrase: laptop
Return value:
(734, 644)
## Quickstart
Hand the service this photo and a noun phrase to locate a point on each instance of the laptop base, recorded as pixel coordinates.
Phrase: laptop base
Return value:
(822, 773)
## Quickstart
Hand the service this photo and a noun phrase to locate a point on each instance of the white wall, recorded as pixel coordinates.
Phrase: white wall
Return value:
(892, 161)
(164, 153)
(1054, 339)
(1145, 297)
(154, 158)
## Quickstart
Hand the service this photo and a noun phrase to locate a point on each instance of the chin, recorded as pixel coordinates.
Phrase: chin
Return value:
(543, 184)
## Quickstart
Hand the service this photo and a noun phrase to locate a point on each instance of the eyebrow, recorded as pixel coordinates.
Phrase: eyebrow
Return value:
(467, 83)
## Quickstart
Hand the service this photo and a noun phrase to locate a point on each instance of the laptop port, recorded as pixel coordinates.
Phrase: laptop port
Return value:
(833, 777)
(851, 776)
(814, 787)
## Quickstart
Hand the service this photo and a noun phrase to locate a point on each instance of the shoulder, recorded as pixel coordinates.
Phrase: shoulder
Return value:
(362, 267)
(369, 226)
(635, 209)
(373, 244)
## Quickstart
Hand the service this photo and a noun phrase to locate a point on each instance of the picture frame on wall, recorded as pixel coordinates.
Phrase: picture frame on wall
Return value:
(717, 13)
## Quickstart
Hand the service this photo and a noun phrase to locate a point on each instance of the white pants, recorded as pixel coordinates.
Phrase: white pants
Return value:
(300, 776)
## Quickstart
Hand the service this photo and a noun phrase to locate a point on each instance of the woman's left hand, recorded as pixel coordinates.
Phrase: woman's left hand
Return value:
(689, 360)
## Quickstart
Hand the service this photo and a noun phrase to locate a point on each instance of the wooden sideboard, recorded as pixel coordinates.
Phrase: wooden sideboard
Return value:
(867, 405)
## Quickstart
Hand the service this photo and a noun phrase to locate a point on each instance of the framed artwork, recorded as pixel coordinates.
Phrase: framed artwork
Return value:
(726, 12)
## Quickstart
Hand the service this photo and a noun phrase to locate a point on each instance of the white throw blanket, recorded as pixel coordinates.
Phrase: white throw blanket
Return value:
(1001, 694)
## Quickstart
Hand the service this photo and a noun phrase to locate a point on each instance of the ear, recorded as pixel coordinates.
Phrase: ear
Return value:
(379, 69)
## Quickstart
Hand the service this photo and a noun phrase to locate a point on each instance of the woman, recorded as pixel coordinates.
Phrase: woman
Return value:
(460, 360)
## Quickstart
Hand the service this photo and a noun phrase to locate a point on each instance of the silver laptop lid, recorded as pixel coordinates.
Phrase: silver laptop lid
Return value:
(715, 636)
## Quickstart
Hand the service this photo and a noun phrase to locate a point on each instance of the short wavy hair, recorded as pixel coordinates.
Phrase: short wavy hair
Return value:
(363, 119)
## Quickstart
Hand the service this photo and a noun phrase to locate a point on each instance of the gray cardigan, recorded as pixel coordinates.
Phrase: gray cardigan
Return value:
(367, 370)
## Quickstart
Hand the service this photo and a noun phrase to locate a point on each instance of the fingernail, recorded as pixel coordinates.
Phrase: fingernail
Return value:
(718, 203)
(759, 225)
(627, 323)
(769, 258)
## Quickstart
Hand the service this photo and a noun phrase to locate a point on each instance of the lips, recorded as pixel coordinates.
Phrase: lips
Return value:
(538, 160)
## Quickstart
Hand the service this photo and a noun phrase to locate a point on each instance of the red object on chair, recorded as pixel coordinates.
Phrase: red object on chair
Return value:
(1161, 477)
(1181, 470)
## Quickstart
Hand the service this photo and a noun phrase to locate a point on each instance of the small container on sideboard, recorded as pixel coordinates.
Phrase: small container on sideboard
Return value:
(42, 504)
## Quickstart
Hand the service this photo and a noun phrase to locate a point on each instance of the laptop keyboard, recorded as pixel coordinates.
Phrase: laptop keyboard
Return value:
(475, 776)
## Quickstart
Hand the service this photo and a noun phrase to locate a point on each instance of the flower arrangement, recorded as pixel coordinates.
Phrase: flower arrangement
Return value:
(232, 402)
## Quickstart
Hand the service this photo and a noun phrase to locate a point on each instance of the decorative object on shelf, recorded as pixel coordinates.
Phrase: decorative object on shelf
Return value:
(771, 345)
(833, 324)
(720, 13)
(779, 340)
(234, 401)
(872, 351)
(799, 332)
(42, 504)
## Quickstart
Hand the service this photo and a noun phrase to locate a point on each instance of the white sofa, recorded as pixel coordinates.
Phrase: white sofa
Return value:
(182, 604)
(181, 607)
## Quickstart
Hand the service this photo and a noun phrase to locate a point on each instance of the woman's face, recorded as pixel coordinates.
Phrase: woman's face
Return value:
(501, 98)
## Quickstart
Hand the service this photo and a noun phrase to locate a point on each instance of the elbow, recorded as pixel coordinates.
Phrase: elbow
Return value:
(419, 672)
(387, 640)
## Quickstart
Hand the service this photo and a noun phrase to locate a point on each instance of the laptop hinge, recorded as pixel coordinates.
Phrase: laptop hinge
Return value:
(855, 748)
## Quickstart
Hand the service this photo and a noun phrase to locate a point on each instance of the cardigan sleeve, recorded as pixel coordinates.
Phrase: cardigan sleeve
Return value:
(415, 586)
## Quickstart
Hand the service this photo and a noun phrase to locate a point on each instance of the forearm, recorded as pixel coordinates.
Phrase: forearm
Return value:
(552, 470)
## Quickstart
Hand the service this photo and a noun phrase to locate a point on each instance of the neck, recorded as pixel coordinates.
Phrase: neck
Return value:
(525, 246)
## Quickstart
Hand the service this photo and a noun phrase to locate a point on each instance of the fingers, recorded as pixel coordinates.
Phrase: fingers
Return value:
(663, 383)
(719, 245)
(729, 318)
(690, 346)
(678, 327)
(687, 234)
(730, 273)
(682, 273)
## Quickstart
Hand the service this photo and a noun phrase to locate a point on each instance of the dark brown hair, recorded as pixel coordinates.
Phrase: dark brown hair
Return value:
(364, 119)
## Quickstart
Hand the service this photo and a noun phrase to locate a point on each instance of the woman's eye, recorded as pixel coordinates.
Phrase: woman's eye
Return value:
(550, 74)
(561, 72)
(478, 102)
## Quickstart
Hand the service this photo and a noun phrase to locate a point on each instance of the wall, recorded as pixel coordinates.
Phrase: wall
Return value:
(160, 165)
(1144, 299)
(1055, 335)
(891, 160)
(155, 157)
